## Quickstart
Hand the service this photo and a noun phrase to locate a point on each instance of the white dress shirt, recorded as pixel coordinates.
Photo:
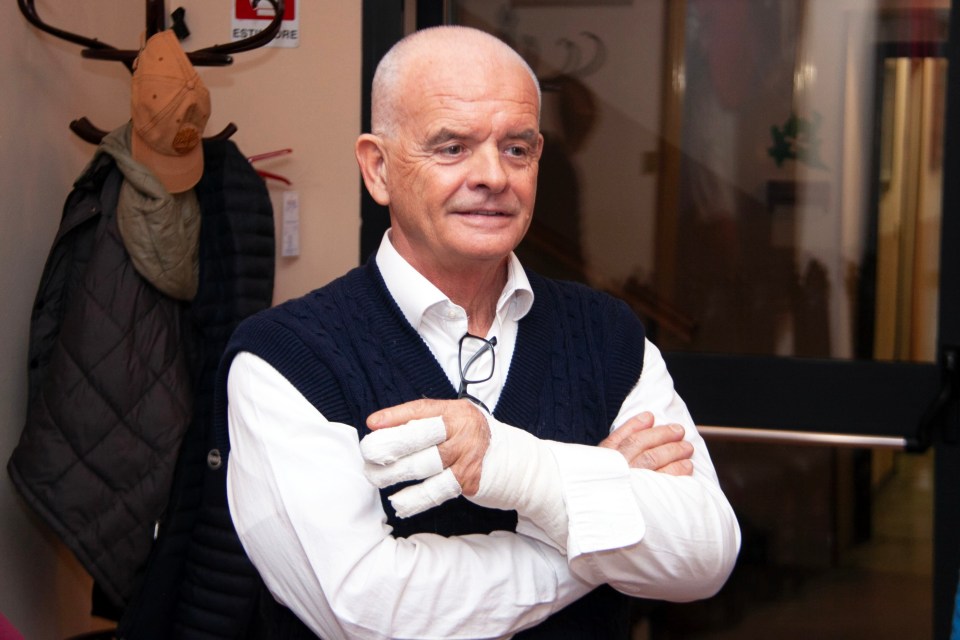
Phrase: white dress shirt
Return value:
(316, 531)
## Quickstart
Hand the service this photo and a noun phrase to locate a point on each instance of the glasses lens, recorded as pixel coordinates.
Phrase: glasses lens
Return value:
(476, 359)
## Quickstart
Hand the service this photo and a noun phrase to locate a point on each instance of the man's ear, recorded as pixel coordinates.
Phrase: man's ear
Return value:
(373, 166)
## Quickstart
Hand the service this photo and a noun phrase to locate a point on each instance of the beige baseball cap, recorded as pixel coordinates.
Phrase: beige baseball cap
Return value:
(170, 109)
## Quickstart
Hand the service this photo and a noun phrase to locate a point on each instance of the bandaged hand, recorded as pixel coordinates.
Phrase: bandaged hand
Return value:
(441, 442)
(452, 444)
(521, 473)
(409, 452)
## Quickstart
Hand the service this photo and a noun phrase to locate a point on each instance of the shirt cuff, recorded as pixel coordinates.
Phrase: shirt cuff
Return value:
(601, 509)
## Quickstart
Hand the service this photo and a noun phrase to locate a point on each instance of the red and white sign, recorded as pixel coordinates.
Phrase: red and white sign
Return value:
(250, 17)
(262, 10)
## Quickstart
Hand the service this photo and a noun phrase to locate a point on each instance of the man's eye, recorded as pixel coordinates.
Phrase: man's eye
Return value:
(517, 151)
(452, 149)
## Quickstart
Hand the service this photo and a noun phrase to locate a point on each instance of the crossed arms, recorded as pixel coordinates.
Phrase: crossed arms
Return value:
(314, 527)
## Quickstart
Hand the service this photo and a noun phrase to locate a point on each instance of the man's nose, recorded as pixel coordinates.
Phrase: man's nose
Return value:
(487, 170)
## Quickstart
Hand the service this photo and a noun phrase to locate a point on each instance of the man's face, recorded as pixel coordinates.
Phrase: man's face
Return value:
(462, 167)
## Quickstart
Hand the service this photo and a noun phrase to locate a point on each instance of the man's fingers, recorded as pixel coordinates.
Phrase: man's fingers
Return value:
(661, 456)
(408, 411)
(466, 445)
(658, 448)
(388, 445)
(636, 441)
(454, 430)
(678, 468)
(628, 429)
(433, 491)
(416, 466)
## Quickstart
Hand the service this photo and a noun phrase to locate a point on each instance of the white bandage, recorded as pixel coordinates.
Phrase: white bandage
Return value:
(430, 493)
(409, 452)
(416, 466)
(520, 472)
(386, 446)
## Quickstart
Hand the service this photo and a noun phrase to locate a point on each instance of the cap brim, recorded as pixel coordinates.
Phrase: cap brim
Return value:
(176, 173)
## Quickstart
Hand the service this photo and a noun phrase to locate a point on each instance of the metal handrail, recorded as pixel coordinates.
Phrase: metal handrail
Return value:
(779, 436)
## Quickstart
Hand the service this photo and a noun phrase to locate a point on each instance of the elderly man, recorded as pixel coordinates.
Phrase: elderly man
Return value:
(482, 389)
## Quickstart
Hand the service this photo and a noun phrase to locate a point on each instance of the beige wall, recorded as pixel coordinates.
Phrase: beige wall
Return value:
(306, 98)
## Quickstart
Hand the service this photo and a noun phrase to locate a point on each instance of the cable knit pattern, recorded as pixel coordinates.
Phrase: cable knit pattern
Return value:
(349, 350)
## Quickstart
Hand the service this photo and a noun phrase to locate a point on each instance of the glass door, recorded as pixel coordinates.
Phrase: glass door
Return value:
(763, 181)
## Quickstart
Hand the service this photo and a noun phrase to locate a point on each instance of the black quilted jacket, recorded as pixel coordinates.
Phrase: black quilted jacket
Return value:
(121, 377)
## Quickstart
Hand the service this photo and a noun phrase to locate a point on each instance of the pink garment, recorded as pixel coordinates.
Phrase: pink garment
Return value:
(7, 630)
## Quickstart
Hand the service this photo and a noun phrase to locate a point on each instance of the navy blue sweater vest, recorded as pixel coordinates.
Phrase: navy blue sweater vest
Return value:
(349, 350)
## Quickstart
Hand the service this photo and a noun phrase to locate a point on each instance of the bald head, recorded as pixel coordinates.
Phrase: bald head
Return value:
(437, 48)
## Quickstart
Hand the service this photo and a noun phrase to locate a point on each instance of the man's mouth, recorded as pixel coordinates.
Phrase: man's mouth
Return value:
(484, 213)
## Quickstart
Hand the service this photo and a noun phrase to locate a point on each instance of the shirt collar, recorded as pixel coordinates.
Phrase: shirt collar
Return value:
(414, 294)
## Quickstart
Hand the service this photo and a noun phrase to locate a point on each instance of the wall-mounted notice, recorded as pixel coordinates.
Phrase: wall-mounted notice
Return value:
(253, 16)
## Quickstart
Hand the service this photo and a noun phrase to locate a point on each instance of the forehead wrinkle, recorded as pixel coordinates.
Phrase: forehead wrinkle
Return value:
(446, 134)
(482, 84)
(446, 115)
